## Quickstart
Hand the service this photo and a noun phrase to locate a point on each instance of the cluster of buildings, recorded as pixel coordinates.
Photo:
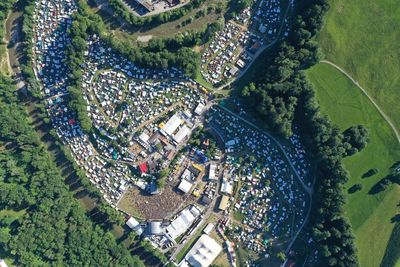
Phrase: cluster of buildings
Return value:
(144, 118)
(50, 37)
(123, 98)
(166, 233)
(225, 49)
(242, 37)
(268, 18)
(269, 178)
(151, 7)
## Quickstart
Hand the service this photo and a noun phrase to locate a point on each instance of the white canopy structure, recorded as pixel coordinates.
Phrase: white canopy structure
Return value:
(204, 252)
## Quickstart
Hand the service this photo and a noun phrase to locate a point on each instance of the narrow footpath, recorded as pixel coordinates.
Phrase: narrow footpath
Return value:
(365, 92)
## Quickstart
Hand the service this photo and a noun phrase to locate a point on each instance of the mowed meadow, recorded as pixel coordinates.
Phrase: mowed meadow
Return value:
(370, 214)
(362, 37)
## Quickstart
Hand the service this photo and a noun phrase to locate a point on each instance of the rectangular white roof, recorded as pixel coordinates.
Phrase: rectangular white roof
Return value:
(3, 263)
(144, 137)
(211, 173)
(204, 252)
(181, 134)
(132, 223)
(181, 223)
(199, 109)
(227, 187)
(172, 124)
(208, 228)
(185, 186)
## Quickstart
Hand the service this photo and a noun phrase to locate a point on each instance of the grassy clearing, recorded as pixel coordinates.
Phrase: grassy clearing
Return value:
(165, 30)
(392, 253)
(370, 215)
(12, 213)
(199, 78)
(363, 38)
(5, 67)
(238, 216)
(4, 63)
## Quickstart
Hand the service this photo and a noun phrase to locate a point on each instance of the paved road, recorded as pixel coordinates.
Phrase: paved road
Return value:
(365, 92)
(309, 190)
(259, 52)
(306, 187)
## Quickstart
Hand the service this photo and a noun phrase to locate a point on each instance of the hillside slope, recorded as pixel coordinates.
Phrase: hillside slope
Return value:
(369, 214)
(363, 37)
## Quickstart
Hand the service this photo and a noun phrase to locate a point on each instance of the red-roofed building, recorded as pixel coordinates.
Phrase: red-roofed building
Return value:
(71, 121)
(143, 168)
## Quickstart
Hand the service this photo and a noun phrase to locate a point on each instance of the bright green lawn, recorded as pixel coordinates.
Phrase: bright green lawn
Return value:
(363, 38)
(369, 214)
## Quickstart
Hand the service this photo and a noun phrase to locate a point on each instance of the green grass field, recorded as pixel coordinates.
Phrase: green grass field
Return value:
(130, 34)
(363, 38)
(370, 215)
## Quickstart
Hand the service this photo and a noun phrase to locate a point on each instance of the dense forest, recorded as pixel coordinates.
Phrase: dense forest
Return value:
(283, 96)
(40, 221)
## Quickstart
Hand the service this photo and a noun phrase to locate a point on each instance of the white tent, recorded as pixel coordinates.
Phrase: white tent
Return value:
(132, 223)
(181, 134)
(211, 173)
(172, 124)
(199, 109)
(185, 186)
(204, 252)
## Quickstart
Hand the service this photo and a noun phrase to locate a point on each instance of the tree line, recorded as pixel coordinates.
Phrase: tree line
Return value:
(282, 96)
(158, 54)
(54, 229)
(108, 215)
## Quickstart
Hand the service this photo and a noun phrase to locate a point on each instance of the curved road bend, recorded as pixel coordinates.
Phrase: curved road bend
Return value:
(262, 49)
(309, 190)
(386, 117)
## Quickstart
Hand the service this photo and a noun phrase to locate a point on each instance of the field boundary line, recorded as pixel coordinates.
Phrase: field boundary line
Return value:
(383, 114)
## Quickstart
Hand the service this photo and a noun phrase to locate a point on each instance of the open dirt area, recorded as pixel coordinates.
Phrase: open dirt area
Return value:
(152, 207)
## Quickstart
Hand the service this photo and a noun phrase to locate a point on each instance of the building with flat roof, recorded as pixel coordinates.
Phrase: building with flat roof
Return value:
(154, 228)
(185, 186)
(223, 204)
(199, 109)
(208, 228)
(227, 187)
(171, 125)
(203, 252)
(182, 223)
(183, 132)
(211, 172)
(134, 225)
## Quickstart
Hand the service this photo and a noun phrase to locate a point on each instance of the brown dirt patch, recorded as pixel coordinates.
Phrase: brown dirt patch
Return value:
(152, 207)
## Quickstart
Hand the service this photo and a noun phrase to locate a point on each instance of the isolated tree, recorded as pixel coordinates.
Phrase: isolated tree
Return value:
(357, 138)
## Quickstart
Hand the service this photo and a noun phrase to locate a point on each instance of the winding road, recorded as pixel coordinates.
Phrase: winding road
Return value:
(308, 189)
(365, 92)
(258, 53)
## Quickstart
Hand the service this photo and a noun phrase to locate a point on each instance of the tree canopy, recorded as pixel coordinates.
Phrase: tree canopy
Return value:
(54, 229)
